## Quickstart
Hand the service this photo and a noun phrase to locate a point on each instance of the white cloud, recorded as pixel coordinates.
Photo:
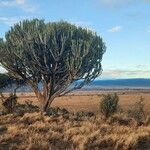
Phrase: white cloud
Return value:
(135, 71)
(8, 21)
(23, 4)
(81, 23)
(84, 24)
(115, 4)
(115, 29)
(20, 1)
(120, 73)
(12, 20)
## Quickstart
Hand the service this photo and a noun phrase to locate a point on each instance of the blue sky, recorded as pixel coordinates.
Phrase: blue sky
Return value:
(124, 26)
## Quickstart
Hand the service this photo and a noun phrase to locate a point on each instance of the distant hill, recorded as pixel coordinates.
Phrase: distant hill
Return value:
(123, 82)
(98, 84)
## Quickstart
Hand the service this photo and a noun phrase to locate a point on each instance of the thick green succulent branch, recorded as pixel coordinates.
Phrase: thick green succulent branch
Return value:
(54, 54)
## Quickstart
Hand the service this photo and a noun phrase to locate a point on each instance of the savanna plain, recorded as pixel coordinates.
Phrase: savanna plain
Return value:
(75, 121)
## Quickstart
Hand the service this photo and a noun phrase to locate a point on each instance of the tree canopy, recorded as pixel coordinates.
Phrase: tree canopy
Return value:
(56, 54)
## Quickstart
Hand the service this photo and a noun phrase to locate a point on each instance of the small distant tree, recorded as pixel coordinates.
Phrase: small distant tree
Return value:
(55, 54)
(137, 111)
(9, 102)
(109, 104)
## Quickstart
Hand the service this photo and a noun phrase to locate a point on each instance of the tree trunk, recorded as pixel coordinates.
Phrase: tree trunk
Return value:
(44, 105)
(48, 103)
(41, 101)
(44, 100)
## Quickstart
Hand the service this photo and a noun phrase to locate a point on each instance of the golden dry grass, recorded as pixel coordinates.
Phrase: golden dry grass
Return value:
(119, 132)
(29, 132)
(89, 101)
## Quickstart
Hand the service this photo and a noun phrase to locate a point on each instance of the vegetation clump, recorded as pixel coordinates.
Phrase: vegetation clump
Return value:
(109, 105)
(121, 119)
(27, 107)
(56, 111)
(137, 112)
(9, 103)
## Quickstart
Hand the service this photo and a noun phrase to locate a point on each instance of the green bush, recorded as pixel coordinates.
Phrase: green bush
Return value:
(136, 111)
(9, 103)
(109, 105)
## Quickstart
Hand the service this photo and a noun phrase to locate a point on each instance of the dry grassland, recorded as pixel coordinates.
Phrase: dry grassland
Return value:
(29, 132)
(89, 101)
(63, 132)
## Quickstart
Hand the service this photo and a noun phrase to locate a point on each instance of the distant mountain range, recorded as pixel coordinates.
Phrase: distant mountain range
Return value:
(120, 84)
(123, 82)
(100, 84)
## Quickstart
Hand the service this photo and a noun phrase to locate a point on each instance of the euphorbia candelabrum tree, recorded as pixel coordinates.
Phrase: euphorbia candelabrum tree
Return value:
(55, 54)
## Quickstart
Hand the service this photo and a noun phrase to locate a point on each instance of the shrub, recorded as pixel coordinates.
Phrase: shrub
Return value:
(28, 107)
(136, 111)
(84, 114)
(81, 115)
(9, 103)
(142, 142)
(56, 111)
(109, 105)
(121, 119)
